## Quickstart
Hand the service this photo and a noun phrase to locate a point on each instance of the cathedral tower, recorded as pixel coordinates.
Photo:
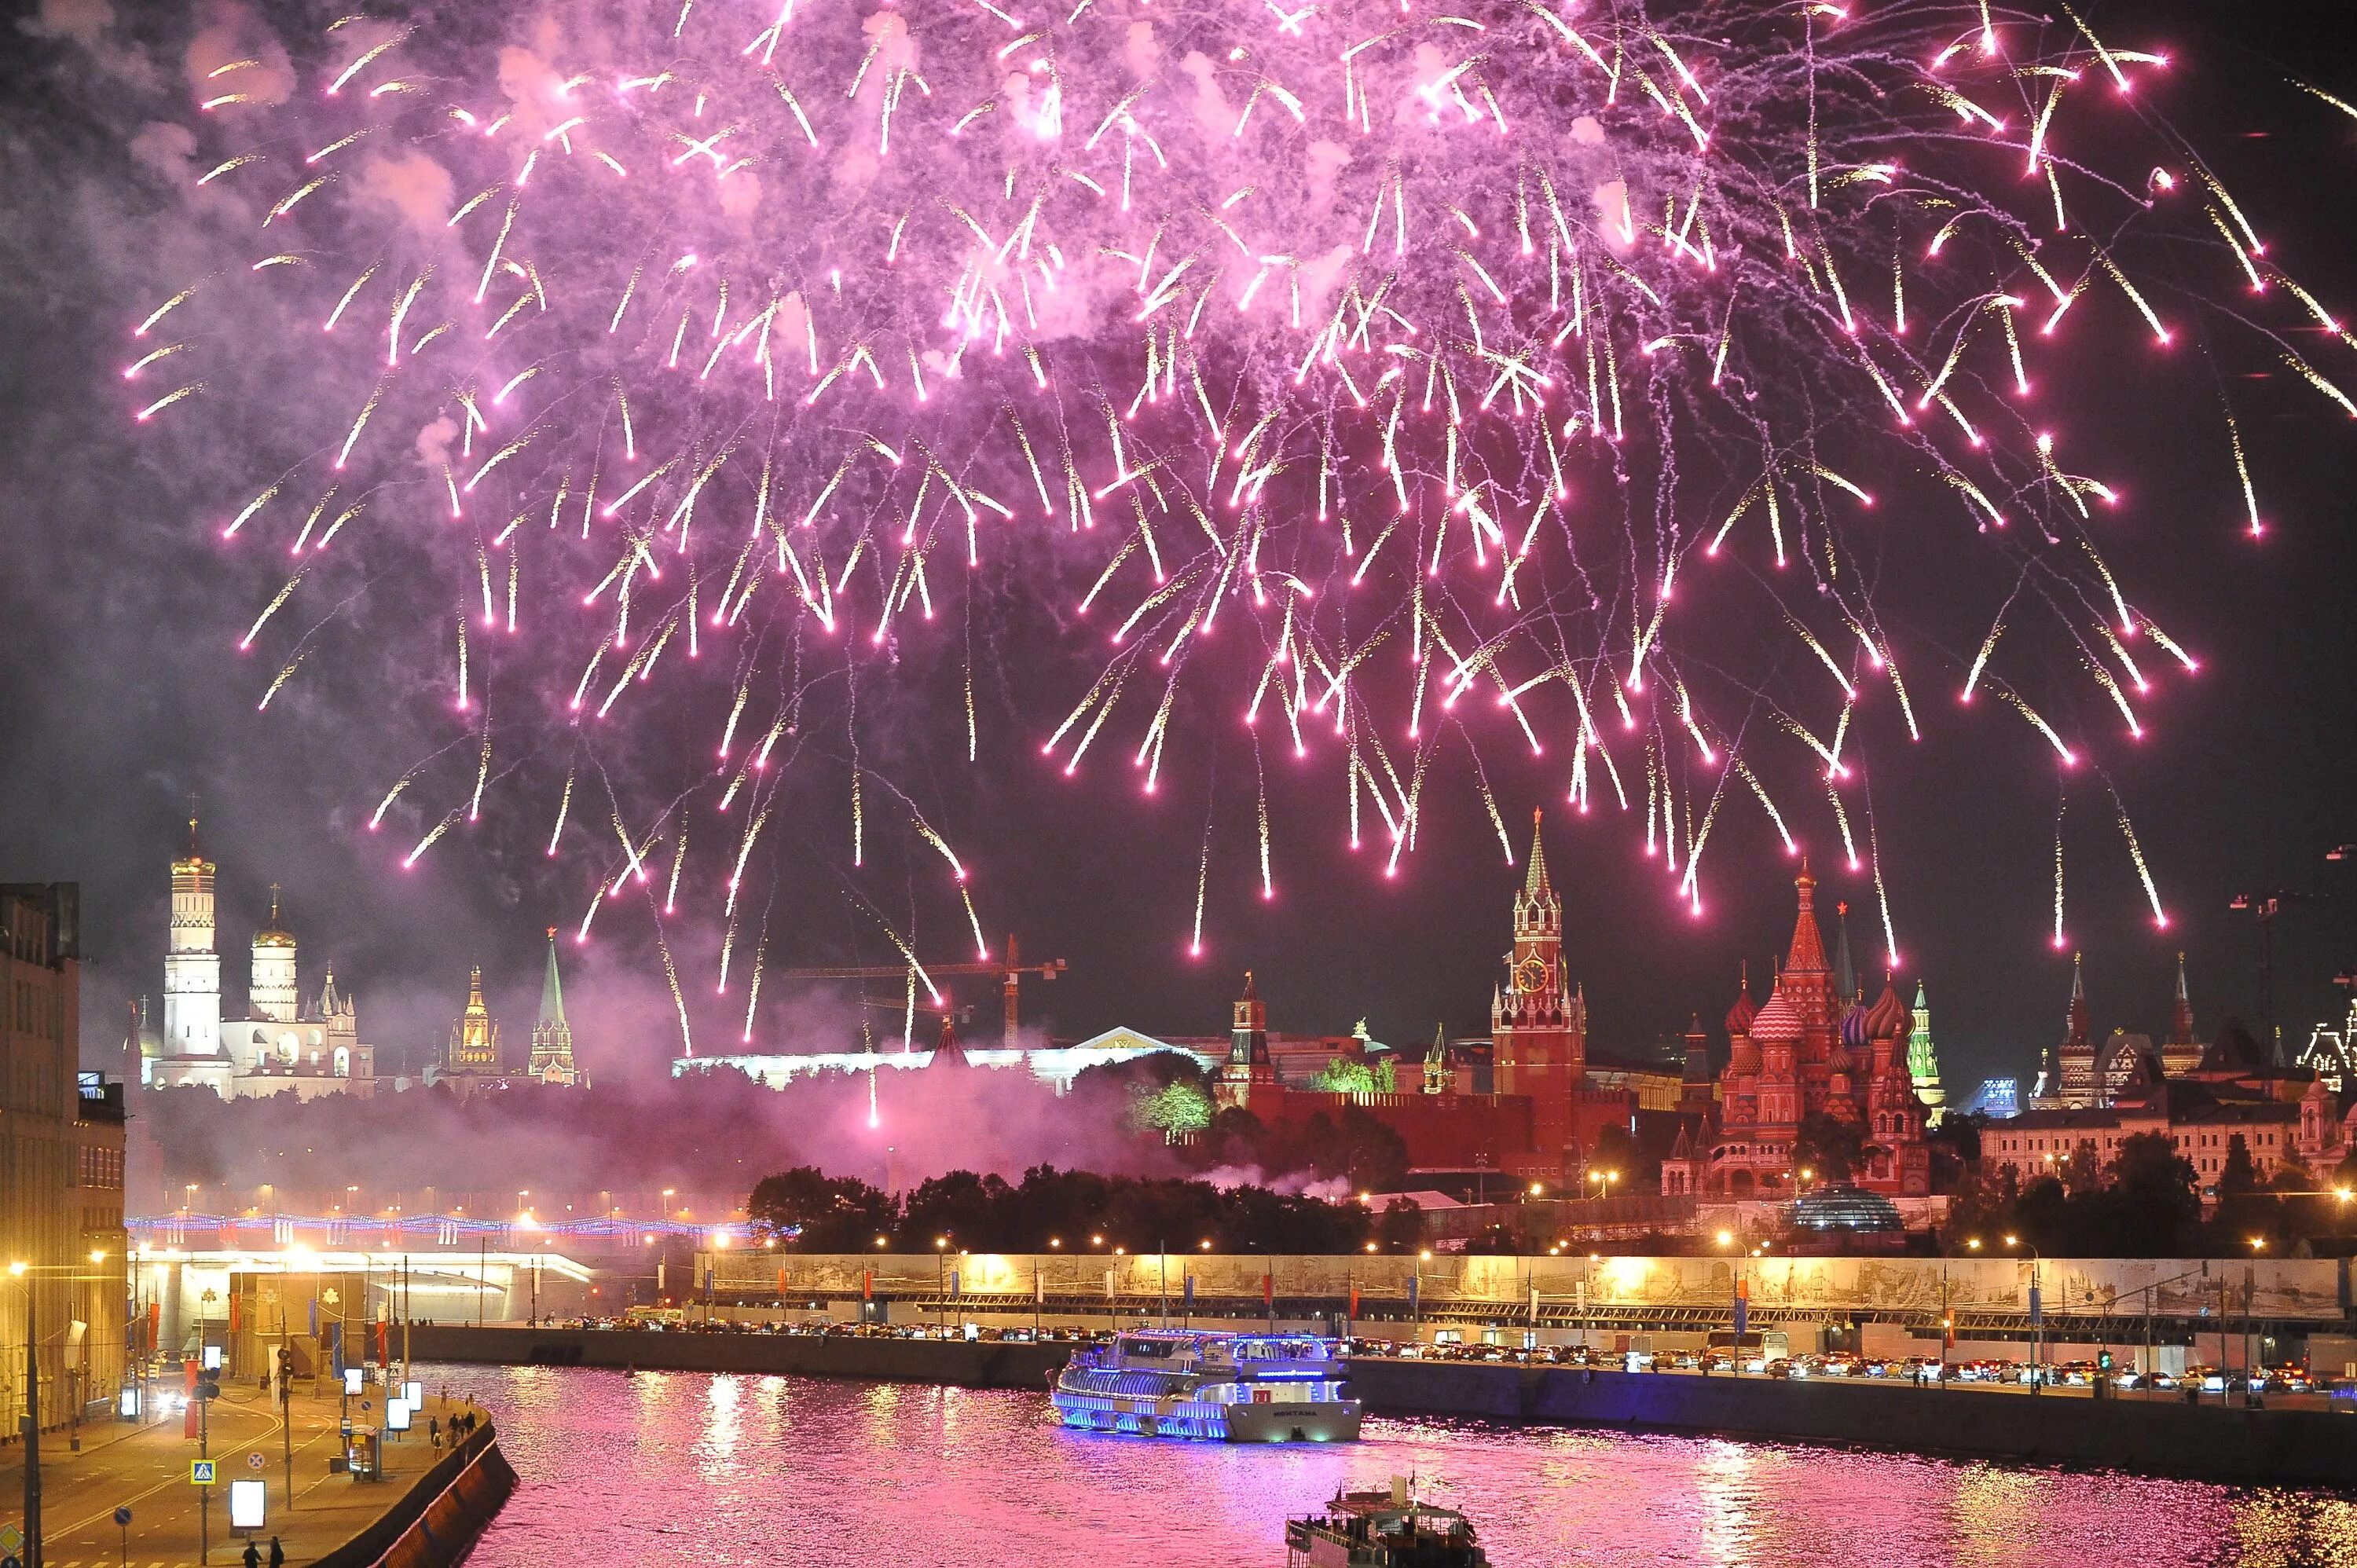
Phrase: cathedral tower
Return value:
(551, 1037)
(475, 1035)
(192, 1009)
(271, 990)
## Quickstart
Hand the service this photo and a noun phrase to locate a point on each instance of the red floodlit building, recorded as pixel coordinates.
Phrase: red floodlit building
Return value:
(1545, 1108)
(1809, 1049)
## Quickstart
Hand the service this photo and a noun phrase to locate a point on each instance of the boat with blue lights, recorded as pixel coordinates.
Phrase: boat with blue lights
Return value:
(1209, 1385)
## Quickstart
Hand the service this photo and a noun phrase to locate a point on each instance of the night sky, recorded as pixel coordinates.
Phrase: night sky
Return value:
(122, 691)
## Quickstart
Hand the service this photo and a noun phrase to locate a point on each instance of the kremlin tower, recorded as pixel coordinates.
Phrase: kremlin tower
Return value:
(475, 1035)
(1249, 1066)
(1538, 1024)
(551, 1036)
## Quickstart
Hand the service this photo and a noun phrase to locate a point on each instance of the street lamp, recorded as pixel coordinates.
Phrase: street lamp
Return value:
(2037, 1315)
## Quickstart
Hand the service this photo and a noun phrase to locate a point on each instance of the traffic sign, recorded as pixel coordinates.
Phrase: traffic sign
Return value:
(10, 1561)
(122, 1516)
(200, 1472)
(254, 1460)
(11, 1538)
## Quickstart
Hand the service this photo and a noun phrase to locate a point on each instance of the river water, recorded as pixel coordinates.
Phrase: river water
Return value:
(661, 1468)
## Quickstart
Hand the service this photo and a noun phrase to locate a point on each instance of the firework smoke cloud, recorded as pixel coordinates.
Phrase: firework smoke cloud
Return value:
(1364, 382)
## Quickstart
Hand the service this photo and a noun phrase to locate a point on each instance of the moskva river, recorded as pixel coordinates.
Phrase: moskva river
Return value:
(657, 1468)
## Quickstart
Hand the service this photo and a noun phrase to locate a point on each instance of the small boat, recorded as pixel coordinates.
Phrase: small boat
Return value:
(1383, 1529)
(1208, 1385)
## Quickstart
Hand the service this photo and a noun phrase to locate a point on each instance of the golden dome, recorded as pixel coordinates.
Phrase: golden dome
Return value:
(273, 935)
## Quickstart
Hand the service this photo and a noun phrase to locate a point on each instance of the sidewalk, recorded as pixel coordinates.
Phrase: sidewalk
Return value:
(146, 1468)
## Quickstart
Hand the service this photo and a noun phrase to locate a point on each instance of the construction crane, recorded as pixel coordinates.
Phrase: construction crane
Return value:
(1010, 970)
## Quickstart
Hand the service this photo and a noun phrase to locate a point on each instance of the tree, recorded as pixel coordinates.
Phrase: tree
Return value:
(1235, 1137)
(1616, 1150)
(1830, 1145)
(819, 1213)
(2150, 1209)
(1981, 1209)
(1173, 1109)
(1354, 1144)
(2238, 1175)
(971, 1211)
(1350, 1075)
(1400, 1228)
(1955, 1146)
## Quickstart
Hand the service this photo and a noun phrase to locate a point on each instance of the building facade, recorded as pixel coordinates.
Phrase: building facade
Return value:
(2090, 1098)
(1808, 1050)
(60, 1171)
(284, 1044)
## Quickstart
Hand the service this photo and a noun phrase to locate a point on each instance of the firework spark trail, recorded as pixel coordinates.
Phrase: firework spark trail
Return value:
(2060, 809)
(1361, 297)
(2135, 853)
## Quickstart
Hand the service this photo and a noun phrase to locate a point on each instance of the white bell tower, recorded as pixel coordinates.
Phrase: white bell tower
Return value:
(192, 1009)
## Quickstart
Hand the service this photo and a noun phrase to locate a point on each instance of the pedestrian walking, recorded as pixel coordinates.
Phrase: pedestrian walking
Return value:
(253, 1555)
(434, 1431)
(278, 1553)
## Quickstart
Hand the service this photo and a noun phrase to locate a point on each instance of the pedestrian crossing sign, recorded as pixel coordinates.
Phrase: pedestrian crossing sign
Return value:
(200, 1472)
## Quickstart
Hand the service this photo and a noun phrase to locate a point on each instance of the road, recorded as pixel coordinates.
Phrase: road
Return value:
(146, 1468)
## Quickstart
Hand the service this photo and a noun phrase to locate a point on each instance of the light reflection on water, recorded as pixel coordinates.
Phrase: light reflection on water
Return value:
(664, 1468)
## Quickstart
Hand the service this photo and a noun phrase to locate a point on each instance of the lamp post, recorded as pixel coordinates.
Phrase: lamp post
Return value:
(2037, 1315)
(18, 1272)
(941, 1279)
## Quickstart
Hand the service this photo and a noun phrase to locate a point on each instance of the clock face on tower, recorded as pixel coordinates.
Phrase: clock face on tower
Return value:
(1530, 975)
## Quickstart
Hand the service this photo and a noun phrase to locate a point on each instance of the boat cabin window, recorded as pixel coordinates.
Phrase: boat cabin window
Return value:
(1159, 1348)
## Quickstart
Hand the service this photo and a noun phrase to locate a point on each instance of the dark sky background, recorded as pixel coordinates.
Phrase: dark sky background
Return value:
(120, 694)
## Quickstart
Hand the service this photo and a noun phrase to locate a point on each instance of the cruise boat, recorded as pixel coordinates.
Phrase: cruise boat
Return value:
(1201, 1383)
(1383, 1529)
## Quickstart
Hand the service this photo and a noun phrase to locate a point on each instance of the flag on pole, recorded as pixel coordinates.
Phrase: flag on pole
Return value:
(867, 1285)
(315, 1317)
(1535, 1306)
(1191, 1290)
(1743, 1308)
(953, 1284)
(1038, 1287)
(1354, 1298)
(1269, 1291)
(1415, 1289)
